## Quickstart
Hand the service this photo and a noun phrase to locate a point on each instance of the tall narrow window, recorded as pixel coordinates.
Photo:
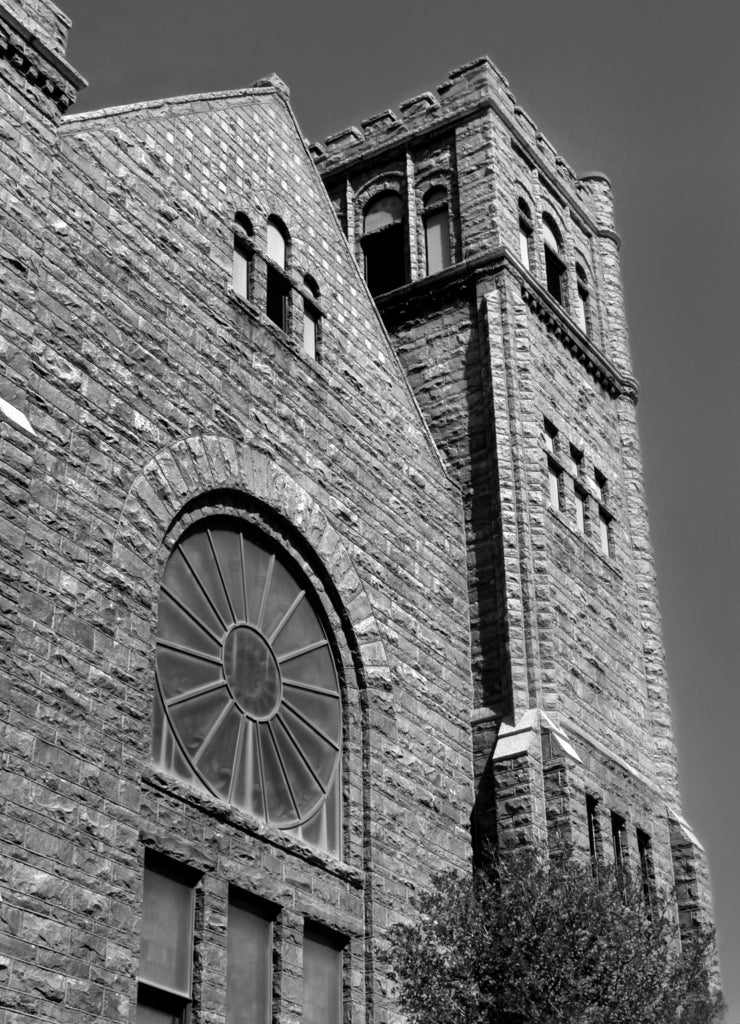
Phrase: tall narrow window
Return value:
(525, 234)
(582, 299)
(310, 318)
(554, 266)
(241, 273)
(647, 871)
(436, 230)
(383, 243)
(166, 957)
(604, 538)
(322, 977)
(278, 286)
(618, 840)
(579, 493)
(553, 481)
(249, 961)
(605, 517)
(594, 833)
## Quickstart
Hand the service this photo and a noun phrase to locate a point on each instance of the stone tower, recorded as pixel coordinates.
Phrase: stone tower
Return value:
(496, 271)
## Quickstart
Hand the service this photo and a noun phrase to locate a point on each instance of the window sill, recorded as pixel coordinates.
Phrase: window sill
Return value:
(280, 336)
(586, 540)
(202, 801)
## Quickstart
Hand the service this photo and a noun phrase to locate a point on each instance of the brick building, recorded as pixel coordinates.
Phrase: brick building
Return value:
(311, 584)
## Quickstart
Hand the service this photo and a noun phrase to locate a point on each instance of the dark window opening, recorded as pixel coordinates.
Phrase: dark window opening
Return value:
(618, 841)
(241, 277)
(594, 835)
(277, 298)
(554, 271)
(554, 266)
(383, 244)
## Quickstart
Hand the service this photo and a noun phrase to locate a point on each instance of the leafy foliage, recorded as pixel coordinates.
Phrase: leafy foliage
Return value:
(532, 940)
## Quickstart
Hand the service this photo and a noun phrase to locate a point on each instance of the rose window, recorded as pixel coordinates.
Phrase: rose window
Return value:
(248, 692)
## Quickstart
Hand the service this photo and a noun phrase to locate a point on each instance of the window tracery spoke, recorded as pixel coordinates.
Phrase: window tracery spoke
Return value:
(190, 614)
(265, 592)
(311, 725)
(199, 691)
(190, 651)
(283, 622)
(299, 652)
(212, 732)
(200, 586)
(217, 563)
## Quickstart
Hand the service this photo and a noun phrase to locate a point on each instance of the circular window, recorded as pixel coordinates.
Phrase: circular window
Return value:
(246, 676)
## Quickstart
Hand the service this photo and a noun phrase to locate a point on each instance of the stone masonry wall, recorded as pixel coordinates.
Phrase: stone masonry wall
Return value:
(153, 389)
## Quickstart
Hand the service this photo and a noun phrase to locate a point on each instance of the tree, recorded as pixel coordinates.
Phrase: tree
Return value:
(533, 940)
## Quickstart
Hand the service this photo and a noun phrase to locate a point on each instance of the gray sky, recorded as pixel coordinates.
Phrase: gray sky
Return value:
(644, 90)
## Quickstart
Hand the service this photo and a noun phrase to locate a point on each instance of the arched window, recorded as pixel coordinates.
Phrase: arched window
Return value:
(248, 700)
(241, 273)
(278, 284)
(436, 230)
(582, 300)
(525, 234)
(311, 317)
(554, 266)
(383, 243)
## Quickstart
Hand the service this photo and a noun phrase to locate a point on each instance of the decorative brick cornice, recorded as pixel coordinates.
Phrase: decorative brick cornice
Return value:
(40, 66)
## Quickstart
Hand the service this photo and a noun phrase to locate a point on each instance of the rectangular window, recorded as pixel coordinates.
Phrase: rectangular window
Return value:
(310, 329)
(618, 840)
(437, 231)
(322, 976)
(553, 480)
(240, 271)
(524, 247)
(580, 499)
(551, 432)
(604, 539)
(166, 954)
(249, 961)
(576, 461)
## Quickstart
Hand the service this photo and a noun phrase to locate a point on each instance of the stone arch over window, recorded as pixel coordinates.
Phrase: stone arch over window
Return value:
(436, 218)
(554, 265)
(204, 476)
(278, 283)
(241, 275)
(384, 242)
